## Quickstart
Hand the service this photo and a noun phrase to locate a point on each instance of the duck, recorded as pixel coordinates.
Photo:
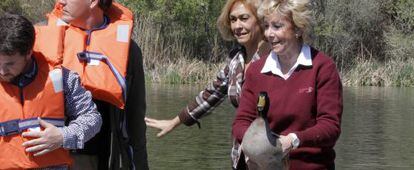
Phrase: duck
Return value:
(261, 147)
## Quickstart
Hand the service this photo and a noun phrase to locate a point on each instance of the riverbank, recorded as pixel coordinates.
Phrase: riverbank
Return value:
(373, 73)
(182, 71)
(172, 60)
(362, 73)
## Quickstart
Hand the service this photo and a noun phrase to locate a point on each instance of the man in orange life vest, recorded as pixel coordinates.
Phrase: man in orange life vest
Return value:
(93, 38)
(35, 98)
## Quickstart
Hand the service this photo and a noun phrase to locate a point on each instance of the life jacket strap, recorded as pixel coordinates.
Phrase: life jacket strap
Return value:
(87, 56)
(17, 126)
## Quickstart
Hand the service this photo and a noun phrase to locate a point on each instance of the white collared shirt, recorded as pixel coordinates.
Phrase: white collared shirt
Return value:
(272, 62)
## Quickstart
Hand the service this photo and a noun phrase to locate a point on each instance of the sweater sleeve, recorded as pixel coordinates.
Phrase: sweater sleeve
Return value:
(327, 129)
(246, 112)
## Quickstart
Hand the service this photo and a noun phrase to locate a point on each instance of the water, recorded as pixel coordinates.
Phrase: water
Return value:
(377, 131)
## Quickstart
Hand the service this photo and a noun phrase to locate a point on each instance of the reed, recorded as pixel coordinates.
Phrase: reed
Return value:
(170, 60)
(398, 73)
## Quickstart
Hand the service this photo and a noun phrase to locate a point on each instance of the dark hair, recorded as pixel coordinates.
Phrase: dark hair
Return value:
(105, 4)
(17, 34)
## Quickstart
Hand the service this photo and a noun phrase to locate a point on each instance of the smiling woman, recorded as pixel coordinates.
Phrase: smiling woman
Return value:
(304, 88)
(244, 25)
(238, 21)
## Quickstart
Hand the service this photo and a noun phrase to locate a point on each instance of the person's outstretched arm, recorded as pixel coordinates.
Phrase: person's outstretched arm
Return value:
(207, 100)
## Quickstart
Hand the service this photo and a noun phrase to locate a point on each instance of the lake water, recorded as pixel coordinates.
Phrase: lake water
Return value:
(377, 131)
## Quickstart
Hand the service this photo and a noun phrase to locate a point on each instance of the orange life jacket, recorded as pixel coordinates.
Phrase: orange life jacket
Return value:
(41, 98)
(100, 57)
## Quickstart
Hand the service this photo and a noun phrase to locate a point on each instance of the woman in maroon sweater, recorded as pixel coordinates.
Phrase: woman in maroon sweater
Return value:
(303, 85)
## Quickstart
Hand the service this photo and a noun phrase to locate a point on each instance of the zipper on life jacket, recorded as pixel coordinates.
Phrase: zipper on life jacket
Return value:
(21, 95)
(25, 79)
(101, 27)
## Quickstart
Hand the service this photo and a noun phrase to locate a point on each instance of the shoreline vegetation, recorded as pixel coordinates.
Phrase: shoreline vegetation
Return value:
(183, 69)
(372, 42)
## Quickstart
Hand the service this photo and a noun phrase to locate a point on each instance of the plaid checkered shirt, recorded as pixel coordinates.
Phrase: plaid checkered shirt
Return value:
(228, 82)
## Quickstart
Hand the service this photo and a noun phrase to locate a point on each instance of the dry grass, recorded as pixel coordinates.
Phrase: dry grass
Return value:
(373, 73)
(170, 60)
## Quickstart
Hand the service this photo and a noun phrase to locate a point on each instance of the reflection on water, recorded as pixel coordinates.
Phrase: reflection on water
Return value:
(188, 148)
(377, 131)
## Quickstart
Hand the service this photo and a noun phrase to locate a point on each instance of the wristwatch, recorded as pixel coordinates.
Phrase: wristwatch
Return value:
(295, 141)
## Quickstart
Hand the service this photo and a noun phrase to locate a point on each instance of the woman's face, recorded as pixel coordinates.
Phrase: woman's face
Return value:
(243, 24)
(280, 33)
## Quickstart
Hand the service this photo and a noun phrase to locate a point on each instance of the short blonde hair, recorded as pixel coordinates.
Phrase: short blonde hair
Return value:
(223, 21)
(298, 11)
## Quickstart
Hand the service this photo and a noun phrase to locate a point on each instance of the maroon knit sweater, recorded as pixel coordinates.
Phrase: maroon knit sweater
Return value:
(308, 103)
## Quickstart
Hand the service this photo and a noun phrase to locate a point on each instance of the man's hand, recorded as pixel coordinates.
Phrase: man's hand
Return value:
(45, 141)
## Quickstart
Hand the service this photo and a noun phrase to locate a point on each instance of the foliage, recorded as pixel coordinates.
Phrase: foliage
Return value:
(374, 37)
(192, 20)
(10, 6)
(349, 29)
(400, 45)
(403, 15)
(34, 10)
(400, 34)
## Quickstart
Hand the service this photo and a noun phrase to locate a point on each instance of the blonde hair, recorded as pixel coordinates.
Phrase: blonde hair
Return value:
(223, 21)
(298, 11)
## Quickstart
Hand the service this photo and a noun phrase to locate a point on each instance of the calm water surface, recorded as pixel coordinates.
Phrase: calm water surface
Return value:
(377, 131)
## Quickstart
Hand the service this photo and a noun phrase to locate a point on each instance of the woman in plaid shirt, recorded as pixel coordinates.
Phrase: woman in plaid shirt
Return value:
(237, 21)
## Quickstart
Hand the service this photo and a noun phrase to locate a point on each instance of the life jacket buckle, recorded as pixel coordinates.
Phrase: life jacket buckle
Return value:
(82, 56)
(10, 127)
